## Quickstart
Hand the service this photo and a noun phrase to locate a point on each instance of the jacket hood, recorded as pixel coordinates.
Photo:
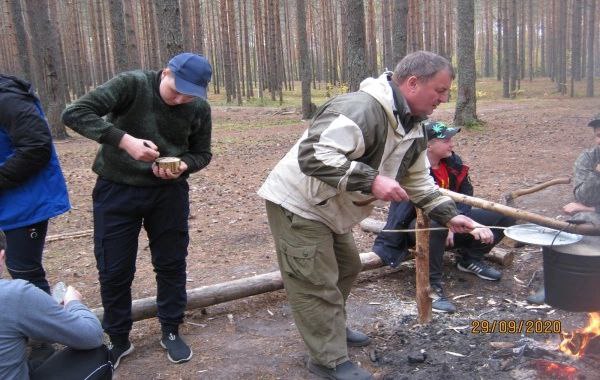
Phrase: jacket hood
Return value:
(381, 90)
(9, 83)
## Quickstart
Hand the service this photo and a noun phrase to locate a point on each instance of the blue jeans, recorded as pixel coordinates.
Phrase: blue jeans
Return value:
(119, 213)
(24, 248)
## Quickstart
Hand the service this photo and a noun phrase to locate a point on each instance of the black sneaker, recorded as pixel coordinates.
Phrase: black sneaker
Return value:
(118, 350)
(177, 350)
(479, 269)
(439, 303)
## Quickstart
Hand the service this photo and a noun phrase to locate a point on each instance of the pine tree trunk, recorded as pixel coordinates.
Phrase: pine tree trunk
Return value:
(441, 33)
(400, 11)
(357, 66)
(513, 58)
(465, 114)
(227, 61)
(119, 41)
(249, 76)
(590, 49)
(576, 42)
(449, 35)
(499, 40)
(170, 35)
(562, 48)
(372, 37)
(133, 53)
(388, 61)
(506, 50)
(23, 44)
(531, 32)
(304, 64)
(45, 43)
(487, 50)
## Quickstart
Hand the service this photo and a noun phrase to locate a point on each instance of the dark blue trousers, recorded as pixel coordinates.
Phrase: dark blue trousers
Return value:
(24, 248)
(70, 364)
(464, 244)
(119, 213)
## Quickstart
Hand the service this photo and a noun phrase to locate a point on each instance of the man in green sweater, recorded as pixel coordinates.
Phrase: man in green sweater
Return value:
(136, 117)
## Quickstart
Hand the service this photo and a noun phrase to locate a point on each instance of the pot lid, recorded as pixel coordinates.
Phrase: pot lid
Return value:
(538, 235)
(588, 246)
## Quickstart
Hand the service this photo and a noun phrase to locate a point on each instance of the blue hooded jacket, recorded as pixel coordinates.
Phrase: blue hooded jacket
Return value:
(32, 186)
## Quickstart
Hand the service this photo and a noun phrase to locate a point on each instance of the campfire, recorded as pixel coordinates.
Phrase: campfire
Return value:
(553, 370)
(576, 342)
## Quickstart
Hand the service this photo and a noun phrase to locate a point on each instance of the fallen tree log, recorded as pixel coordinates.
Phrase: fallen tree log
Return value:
(228, 291)
(372, 225)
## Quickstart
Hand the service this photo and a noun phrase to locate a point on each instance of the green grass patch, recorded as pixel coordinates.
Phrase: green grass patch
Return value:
(246, 125)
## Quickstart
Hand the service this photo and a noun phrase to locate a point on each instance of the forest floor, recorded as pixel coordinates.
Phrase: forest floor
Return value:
(524, 142)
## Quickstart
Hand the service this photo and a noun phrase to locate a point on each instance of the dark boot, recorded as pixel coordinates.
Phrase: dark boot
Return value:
(345, 371)
(355, 338)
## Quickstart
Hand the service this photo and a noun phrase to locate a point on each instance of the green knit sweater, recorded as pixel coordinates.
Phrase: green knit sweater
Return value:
(132, 104)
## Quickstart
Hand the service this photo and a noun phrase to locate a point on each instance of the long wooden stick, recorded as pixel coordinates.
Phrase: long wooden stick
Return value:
(438, 229)
(583, 229)
(510, 197)
(69, 235)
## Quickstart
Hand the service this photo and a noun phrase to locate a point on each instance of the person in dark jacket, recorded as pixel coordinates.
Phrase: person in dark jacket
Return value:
(32, 186)
(148, 114)
(586, 191)
(449, 172)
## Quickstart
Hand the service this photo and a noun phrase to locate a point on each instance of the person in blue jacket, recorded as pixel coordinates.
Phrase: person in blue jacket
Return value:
(448, 172)
(32, 186)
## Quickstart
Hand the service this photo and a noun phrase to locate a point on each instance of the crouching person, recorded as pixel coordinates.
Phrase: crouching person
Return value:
(30, 313)
(448, 172)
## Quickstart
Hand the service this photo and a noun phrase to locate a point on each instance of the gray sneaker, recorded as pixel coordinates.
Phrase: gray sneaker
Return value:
(538, 298)
(441, 304)
(479, 269)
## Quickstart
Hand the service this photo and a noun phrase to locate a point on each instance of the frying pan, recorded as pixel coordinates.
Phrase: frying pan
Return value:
(543, 236)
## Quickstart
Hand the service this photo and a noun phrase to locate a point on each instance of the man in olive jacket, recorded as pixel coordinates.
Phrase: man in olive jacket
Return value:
(362, 145)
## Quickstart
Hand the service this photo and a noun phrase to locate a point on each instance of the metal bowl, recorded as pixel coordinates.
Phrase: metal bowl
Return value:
(543, 236)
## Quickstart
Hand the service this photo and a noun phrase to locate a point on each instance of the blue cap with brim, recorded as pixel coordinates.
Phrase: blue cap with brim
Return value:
(192, 73)
(439, 130)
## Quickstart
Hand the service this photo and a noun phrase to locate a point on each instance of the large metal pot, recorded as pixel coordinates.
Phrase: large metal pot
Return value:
(572, 275)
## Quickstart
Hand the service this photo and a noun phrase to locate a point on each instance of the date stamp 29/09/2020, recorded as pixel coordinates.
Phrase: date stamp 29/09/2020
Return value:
(516, 326)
